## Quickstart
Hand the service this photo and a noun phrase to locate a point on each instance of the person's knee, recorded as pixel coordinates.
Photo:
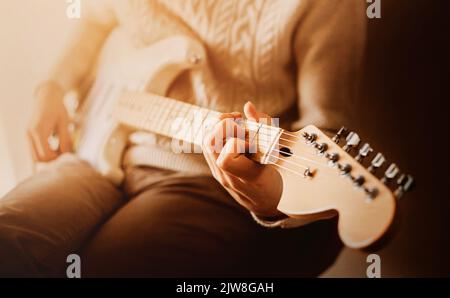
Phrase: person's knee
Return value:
(165, 239)
(16, 256)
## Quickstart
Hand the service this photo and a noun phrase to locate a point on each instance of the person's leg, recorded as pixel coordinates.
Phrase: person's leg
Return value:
(190, 226)
(49, 216)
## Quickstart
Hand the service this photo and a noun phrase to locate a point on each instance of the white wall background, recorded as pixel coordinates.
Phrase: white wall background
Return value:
(31, 34)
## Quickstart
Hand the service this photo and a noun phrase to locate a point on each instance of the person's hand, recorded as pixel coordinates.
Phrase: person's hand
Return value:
(256, 187)
(49, 118)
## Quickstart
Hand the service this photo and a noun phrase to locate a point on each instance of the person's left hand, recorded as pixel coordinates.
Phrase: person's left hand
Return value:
(256, 187)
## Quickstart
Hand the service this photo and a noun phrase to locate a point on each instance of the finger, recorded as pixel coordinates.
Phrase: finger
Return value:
(240, 197)
(34, 151)
(232, 160)
(233, 115)
(40, 141)
(231, 183)
(212, 164)
(253, 114)
(223, 131)
(65, 141)
(226, 180)
(210, 158)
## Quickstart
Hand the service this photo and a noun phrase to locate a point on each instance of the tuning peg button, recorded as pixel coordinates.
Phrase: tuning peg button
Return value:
(363, 152)
(405, 183)
(352, 141)
(390, 173)
(377, 162)
(409, 184)
(337, 137)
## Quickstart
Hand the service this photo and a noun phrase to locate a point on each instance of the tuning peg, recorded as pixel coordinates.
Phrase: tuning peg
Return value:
(371, 193)
(359, 180)
(363, 152)
(390, 173)
(344, 168)
(352, 141)
(337, 137)
(310, 138)
(377, 162)
(321, 148)
(405, 183)
(332, 157)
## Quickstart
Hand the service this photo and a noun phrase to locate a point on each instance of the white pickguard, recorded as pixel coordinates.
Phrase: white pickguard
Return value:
(122, 67)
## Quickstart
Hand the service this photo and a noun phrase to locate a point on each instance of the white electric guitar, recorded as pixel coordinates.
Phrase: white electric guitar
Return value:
(319, 176)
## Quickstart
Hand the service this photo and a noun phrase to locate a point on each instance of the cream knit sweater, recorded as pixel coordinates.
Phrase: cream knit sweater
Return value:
(295, 59)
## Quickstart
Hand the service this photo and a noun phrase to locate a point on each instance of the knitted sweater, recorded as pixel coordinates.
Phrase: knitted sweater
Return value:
(295, 59)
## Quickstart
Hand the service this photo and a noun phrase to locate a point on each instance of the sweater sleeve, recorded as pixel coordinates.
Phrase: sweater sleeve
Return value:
(328, 45)
(83, 44)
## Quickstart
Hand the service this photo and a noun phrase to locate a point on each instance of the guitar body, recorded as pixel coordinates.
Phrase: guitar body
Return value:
(101, 140)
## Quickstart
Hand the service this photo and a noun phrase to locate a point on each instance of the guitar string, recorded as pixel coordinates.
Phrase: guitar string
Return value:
(261, 131)
(284, 168)
(298, 165)
(189, 106)
(267, 127)
(295, 155)
(303, 165)
(304, 158)
(284, 132)
(260, 125)
(326, 166)
(299, 157)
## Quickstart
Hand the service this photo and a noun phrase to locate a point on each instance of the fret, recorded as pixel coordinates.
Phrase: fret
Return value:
(200, 115)
(183, 132)
(164, 109)
(174, 114)
(179, 122)
(208, 117)
(171, 118)
(192, 122)
(148, 114)
(195, 123)
(143, 110)
(167, 121)
(154, 110)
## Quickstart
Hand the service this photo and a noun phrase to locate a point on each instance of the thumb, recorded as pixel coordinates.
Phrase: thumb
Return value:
(253, 114)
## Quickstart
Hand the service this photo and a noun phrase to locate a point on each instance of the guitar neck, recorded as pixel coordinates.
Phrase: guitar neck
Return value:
(183, 121)
(164, 116)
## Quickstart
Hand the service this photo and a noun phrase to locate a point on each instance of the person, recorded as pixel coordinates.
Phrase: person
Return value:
(188, 214)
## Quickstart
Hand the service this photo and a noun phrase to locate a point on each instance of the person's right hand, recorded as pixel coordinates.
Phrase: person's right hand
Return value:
(49, 117)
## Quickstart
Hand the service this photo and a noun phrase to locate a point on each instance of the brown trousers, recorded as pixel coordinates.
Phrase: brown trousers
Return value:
(159, 223)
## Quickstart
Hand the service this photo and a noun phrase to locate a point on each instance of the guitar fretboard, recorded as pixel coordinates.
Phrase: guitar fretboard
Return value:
(180, 120)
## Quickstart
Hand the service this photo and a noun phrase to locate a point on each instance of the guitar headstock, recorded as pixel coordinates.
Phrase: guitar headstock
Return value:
(352, 180)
